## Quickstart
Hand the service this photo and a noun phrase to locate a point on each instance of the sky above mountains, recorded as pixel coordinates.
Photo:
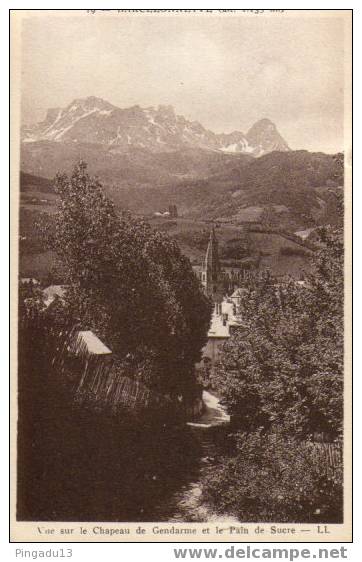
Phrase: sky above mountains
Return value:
(223, 71)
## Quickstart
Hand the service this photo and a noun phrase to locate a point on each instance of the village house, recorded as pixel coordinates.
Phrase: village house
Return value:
(224, 319)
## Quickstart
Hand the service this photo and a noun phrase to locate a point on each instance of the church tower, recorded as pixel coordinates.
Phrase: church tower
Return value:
(212, 279)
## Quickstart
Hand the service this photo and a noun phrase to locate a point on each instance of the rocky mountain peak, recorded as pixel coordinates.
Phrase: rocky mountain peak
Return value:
(264, 124)
(266, 137)
(167, 112)
(91, 102)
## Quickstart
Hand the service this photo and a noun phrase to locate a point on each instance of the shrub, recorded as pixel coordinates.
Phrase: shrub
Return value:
(273, 477)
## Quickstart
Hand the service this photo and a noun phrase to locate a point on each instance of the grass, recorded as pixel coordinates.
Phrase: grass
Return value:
(280, 255)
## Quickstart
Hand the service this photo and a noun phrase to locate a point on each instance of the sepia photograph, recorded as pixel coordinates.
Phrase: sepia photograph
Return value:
(181, 203)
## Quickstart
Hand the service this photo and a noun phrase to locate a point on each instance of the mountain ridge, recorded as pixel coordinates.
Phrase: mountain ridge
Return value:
(93, 120)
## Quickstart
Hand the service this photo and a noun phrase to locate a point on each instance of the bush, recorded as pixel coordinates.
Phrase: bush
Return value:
(276, 478)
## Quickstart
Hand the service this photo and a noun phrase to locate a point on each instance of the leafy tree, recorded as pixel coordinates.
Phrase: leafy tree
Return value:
(281, 379)
(76, 462)
(286, 366)
(130, 285)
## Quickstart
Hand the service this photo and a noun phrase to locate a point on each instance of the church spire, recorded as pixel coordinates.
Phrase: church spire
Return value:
(212, 265)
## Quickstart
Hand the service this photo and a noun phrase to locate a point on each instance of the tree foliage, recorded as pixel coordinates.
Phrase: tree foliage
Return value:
(76, 462)
(286, 366)
(277, 478)
(129, 284)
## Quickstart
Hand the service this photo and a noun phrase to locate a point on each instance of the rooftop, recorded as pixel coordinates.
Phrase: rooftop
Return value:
(89, 342)
(53, 291)
(217, 328)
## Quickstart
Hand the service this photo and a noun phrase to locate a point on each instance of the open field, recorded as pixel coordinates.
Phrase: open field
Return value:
(238, 239)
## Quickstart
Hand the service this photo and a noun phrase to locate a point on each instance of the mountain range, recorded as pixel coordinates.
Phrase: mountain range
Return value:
(149, 158)
(93, 120)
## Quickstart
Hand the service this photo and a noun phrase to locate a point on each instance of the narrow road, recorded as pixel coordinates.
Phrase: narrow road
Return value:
(186, 504)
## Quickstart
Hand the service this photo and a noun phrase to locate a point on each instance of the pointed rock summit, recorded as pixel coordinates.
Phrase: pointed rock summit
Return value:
(264, 135)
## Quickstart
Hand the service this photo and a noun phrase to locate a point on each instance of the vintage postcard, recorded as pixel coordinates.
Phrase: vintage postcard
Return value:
(181, 275)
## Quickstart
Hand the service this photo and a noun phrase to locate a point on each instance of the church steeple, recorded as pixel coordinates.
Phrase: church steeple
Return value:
(212, 267)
